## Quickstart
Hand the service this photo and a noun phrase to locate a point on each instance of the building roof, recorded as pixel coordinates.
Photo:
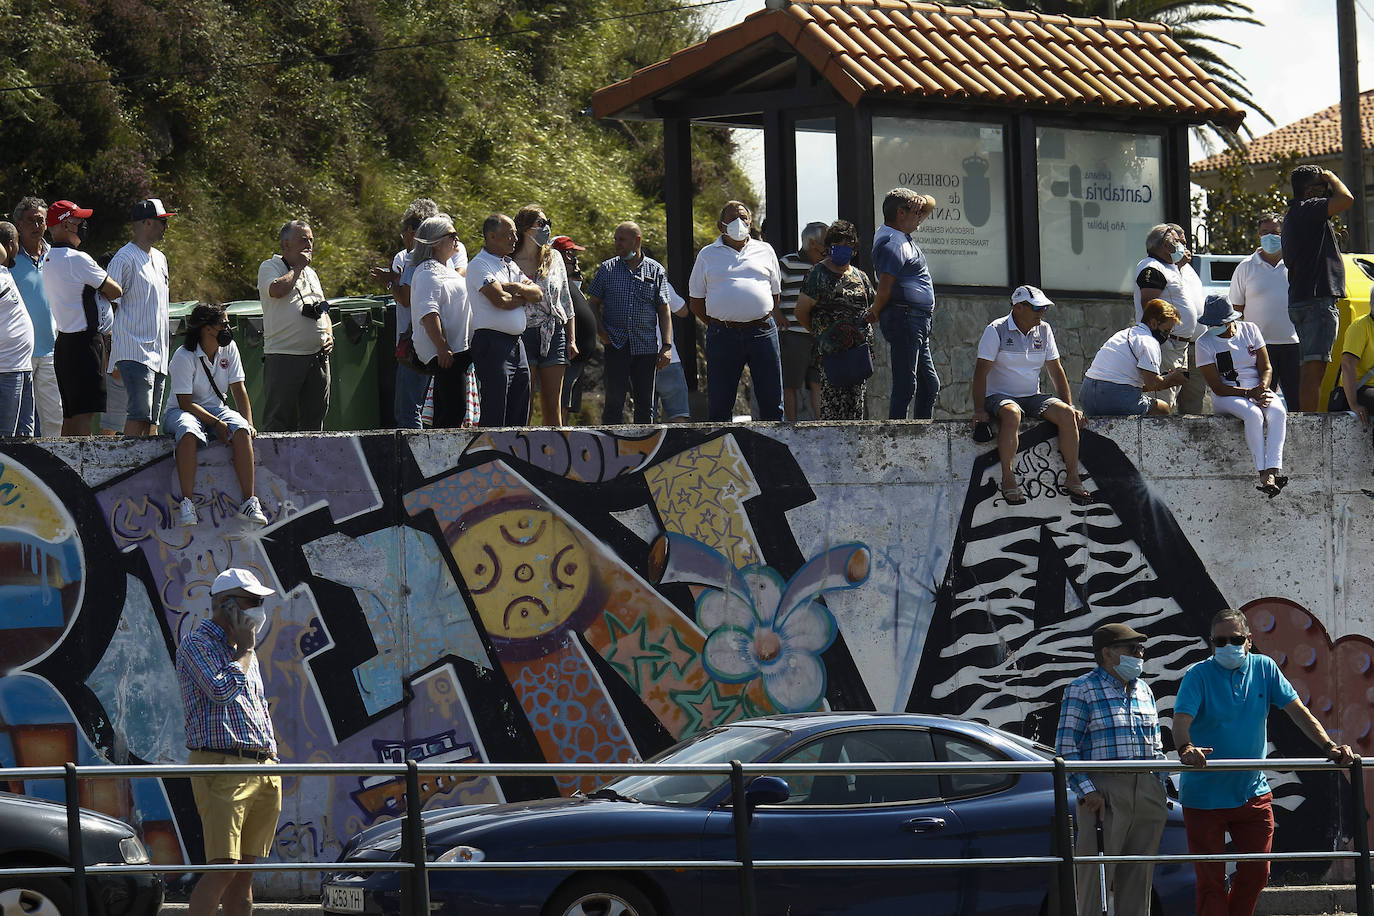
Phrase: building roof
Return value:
(1313, 137)
(904, 48)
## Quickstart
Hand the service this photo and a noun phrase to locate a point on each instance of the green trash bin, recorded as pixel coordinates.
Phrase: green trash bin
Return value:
(353, 390)
(245, 319)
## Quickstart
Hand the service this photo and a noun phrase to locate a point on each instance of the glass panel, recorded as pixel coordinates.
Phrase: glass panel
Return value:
(1100, 192)
(956, 748)
(962, 165)
(818, 198)
(865, 746)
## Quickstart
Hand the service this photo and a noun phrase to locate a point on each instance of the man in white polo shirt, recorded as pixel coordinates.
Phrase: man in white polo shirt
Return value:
(72, 280)
(1259, 290)
(497, 293)
(1006, 385)
(735, 288)
(16, 345)
(298, 335)
(138, 347)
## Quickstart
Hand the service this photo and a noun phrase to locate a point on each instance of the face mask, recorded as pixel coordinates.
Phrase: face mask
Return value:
(738, 229)
(256, 616)
(1179, 254)
(543, 235)
(1272, 244)
(630, 256)
(225, 337)
(1218, 330)
(1230, 657)
(82, 231)
(1160, 335)
(841, 254)
(1129, 668)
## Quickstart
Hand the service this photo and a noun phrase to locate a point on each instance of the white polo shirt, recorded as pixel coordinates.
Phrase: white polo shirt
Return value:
(400, 265)
(1016, 358)
(485, 268)
(1263, 289)
(70, 280)
(1182, 289)
(1244, 345)
(16, 327)
(737, 285)
(285, 330)
(437, 289)
(140, 323)
(1124, 355)
(186, 376)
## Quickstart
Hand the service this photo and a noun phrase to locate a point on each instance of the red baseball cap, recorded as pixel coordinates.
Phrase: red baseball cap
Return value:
(64, 210)
(563, 243)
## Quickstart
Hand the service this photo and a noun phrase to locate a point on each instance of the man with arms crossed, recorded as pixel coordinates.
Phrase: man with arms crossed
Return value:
(227, 722)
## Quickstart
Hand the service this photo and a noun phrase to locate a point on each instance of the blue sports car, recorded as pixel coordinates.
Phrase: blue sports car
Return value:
(818, 817)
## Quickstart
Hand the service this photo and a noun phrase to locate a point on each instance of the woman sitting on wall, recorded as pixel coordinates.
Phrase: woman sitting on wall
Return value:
(1232, 359)
(1127, 366)
(202, 370)
(835, 305)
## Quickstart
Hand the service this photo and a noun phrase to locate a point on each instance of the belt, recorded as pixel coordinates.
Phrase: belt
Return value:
(248, 753)
(1182, 340)
(756, 323)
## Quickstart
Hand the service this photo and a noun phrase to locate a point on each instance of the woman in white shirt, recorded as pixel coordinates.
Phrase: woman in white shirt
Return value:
(1127, 367)
(1233, 360)
(202, 370)
(548, 338)
(442, 318)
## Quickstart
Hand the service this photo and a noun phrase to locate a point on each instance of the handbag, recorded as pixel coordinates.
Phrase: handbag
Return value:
(406, 356)
(1337, 402)
(844, 368)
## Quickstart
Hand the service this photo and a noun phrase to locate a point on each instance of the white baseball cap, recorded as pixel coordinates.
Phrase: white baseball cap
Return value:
(239, 580)
(1030, 295)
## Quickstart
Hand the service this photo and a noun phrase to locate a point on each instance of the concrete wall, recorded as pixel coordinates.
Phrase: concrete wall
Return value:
(588, 595)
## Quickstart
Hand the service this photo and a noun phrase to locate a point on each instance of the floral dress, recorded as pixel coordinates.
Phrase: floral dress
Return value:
(839, 321)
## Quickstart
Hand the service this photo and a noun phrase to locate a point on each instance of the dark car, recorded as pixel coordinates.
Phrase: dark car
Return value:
(33, 834)
(824, 817)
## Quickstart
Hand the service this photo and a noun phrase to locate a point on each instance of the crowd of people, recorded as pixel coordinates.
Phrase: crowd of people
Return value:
(476, 337)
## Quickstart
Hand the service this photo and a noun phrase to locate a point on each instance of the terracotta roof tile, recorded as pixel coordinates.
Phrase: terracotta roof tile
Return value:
(887, 48)
(1313, 137)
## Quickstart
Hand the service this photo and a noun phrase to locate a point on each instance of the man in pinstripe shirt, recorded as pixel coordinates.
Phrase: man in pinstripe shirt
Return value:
(138, 349)
(1109, 714)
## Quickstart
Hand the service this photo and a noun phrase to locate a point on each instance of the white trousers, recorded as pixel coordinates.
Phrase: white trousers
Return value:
(1265, 427)
(47, 399)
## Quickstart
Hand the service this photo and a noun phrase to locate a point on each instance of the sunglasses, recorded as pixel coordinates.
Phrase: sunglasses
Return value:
(542, 222)
(1039, 308)
(1220, 641)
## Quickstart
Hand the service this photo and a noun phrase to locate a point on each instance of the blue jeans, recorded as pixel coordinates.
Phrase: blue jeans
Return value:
(143, 388)
(503, 375)
(913, 370)
(410, 396)
(728, 351)
(16, 404)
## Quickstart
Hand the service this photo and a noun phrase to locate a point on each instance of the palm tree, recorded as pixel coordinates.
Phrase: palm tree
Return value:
(1188, 20)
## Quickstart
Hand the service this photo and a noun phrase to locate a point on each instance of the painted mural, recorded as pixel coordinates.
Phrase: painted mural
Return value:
(582, 596)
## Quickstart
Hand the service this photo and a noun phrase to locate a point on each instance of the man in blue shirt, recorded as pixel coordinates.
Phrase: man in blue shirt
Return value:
(1223, 705)
(30, 218)
(1109, 714)
(629, 296)
(905, 302)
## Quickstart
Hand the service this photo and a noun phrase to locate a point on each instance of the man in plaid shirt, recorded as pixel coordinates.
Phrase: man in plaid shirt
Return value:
(1109, 714)
(227, 722)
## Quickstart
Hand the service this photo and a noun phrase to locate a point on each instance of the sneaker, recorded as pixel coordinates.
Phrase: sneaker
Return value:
(186, 514)
(251, 511)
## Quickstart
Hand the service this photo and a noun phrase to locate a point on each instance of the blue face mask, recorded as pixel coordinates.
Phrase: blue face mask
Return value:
(1272, 244)
(630, 256)
(841, 254)
(1218, 330)
(1230, 657)
(1179, 254)
(1129, 668)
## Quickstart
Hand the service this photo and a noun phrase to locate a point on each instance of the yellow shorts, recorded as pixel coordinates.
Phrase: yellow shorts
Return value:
(238, 811)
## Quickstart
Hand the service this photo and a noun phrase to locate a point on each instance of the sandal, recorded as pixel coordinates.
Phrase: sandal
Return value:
(1268, 489)
(1280, 481)
(1014, 496)
(1079, 494)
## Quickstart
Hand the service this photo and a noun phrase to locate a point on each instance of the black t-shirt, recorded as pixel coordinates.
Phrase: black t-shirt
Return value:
(1314, 260)
(584, 322)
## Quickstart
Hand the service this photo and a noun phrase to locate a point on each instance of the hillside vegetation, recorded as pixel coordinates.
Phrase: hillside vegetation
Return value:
(241, 114)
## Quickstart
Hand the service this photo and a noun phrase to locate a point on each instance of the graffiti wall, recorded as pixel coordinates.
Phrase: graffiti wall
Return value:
(585, 596)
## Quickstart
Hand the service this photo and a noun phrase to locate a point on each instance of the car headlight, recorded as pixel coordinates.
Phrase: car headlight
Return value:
(463, 854)
(133, 852)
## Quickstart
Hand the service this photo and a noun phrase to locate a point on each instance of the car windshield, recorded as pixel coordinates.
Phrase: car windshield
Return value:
(738, 742)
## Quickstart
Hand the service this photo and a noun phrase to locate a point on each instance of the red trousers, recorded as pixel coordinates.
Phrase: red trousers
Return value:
(1252, 830)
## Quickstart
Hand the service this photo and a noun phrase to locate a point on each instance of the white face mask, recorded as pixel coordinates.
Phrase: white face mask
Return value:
(738, 229)
(256, 616)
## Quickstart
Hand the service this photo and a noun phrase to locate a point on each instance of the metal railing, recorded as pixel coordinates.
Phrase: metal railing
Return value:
(414, 864)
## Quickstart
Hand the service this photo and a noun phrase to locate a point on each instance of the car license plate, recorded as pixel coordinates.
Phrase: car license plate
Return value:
(343, 899)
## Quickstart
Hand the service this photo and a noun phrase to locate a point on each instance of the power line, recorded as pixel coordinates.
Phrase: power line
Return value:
(1364, 9)
(360, 52)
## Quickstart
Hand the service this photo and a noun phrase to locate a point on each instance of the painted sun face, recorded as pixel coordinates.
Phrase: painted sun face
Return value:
(526, 569)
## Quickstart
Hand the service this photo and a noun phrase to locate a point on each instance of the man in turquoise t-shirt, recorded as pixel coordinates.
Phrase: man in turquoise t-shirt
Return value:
(1223, 705)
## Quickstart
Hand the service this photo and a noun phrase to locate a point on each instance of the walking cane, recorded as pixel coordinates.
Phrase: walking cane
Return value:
(1101, 866)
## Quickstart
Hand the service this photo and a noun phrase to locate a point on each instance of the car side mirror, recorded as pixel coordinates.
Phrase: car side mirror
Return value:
(767, 790)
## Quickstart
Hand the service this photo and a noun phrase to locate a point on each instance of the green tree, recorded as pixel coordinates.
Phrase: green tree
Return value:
(1231, 211)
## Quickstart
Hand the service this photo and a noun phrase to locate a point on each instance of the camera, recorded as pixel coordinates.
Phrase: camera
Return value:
(313, 310)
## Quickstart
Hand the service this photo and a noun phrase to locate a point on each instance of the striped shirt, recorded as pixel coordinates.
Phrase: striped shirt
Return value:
(1103, 719)
(226, 708)
(795, 269)
(140, 322)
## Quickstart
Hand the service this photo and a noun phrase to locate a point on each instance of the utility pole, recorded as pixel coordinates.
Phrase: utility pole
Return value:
(1352, 137)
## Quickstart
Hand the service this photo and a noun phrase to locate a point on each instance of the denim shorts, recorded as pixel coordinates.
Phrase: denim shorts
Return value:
(1032, 405)
(557, 354)
(143, 385)
(1316, 321)
(670, 390)
(1113, 399)
(177, 422)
